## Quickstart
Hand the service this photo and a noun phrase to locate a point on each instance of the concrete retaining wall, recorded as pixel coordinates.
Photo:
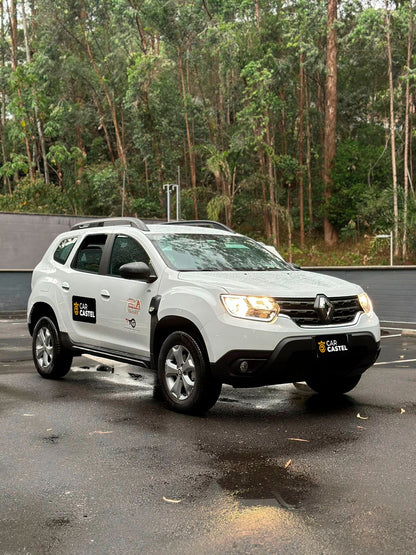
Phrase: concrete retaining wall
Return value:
(25, 237)
(392, 289)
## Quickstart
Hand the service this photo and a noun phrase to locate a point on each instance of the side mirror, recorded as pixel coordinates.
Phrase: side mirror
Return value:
(138, 271)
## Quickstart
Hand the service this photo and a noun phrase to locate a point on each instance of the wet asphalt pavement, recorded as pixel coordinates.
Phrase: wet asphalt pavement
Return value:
(94, 464)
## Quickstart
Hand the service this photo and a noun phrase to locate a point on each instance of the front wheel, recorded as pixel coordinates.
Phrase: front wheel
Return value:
(333, 386)
(52, 360)
(183, 375)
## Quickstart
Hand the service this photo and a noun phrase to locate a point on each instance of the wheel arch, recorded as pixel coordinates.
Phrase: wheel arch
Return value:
(170, 324)
(38, 310)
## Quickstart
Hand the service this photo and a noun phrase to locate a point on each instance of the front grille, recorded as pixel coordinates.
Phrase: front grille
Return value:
(303, 313)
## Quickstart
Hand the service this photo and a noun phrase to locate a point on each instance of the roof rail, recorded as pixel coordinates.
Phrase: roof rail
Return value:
(132, 222)
(201, 223)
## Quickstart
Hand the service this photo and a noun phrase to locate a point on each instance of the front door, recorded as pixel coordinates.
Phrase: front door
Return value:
(124, 303)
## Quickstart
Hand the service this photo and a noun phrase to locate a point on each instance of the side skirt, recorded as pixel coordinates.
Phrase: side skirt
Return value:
(79, 349)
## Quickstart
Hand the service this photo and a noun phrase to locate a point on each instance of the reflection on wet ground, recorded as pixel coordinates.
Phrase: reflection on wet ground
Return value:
(258, 480)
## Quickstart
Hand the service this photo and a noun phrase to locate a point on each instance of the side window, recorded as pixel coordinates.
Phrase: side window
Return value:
(89, 254)
(125, 250)
(63, 250)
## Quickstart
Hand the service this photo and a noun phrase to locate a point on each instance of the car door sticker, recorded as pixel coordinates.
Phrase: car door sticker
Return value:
(84, 309)
(133, 306)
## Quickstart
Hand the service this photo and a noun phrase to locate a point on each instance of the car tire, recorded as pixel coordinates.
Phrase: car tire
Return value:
(333, 386)
(184, 378)
(52, 360)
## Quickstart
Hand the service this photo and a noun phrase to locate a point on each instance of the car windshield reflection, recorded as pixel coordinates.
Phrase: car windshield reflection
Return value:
(213, 253)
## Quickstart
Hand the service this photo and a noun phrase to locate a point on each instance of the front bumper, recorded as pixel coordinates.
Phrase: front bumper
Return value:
(295, 359)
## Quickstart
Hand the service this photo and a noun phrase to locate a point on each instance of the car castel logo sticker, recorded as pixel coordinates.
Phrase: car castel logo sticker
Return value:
(333, 345)
(84, 309)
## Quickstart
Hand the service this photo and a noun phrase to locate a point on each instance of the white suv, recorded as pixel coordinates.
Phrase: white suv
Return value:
(201, 306)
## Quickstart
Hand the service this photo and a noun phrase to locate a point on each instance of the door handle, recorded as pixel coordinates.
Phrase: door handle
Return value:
(105, 294)
(65, 286)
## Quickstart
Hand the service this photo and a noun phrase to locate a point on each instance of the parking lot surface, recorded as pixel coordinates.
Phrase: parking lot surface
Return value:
(94, 463)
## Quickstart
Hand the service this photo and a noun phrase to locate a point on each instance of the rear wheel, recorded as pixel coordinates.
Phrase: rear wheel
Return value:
(183, 375)
(52, 360)
(334, 386)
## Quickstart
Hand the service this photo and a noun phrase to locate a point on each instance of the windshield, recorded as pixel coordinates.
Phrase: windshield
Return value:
(211, 253)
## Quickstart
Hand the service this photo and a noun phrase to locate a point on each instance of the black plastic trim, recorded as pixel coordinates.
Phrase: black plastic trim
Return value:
(79, 349)
(154, 320)
(295, 359)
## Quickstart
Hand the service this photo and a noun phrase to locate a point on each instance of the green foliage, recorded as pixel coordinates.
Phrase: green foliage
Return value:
(137, 89)
(146, 208)
(216, 206)
(17, 164)
(361, 199)
(36, 197)
(100, 191)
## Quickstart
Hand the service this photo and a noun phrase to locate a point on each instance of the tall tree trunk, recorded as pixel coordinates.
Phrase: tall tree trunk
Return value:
(103, 124)
(289, 227)
(392, 134)
(6, 179)
(35, 104)
(111, 104)
(272, 197)
(257, 16)
(406, 130)
(188, 133)
(300, 146)
(13, 32)
(266, 210)
(330, 234)
(308, 155)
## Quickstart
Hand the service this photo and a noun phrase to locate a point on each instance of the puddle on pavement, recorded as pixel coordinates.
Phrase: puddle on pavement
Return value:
(263, 481)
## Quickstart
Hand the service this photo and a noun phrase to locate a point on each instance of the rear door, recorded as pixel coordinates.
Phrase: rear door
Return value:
(81, 287)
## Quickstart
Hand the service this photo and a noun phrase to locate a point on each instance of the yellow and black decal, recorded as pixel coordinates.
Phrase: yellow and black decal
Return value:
(84, 309)
(332, 345)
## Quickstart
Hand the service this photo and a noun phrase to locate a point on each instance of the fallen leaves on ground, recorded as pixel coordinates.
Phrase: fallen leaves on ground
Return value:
(171, 500)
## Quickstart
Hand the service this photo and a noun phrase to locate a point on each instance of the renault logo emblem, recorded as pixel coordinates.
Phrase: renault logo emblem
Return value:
(324, 309)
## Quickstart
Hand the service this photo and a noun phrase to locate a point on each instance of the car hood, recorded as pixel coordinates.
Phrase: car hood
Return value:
(293, 283)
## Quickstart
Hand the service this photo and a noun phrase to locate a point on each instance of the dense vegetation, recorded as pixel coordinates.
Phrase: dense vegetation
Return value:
(103, 97)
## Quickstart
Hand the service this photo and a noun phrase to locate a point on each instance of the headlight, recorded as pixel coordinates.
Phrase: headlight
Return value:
(365, 303)
(265, 309)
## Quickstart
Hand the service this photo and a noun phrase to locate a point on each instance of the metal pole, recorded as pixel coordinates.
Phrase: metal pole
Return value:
(167, 187)
(390, 236)
(124, 189)
(178, 196)
(391, 248)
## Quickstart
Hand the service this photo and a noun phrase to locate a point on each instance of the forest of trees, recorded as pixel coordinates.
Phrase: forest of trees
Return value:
(284, 119)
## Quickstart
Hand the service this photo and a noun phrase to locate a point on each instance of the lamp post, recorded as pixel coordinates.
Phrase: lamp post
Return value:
(170, 187)
(389, 236)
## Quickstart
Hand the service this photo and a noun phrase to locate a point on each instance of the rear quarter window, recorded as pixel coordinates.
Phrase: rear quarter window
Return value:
(64, 249)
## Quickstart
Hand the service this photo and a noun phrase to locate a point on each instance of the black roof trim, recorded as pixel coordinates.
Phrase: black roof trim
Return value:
(132, 222)
(201, 223)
